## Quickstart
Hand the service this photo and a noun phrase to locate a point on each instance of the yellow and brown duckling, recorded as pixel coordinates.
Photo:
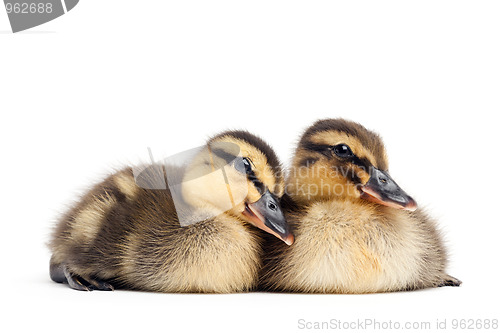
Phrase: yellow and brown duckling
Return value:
(356, 230)
(126, 234)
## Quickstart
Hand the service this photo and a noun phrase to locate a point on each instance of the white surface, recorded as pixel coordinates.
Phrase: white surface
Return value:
(93, 89)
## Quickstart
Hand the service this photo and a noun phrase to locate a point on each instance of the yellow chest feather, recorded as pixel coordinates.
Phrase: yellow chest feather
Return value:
(342, 248)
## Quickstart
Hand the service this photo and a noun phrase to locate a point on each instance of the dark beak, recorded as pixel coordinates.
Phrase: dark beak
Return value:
(267, 215)
(382, 189)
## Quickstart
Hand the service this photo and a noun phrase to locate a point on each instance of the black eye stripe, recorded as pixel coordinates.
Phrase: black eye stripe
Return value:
(363, 163)
(319, 148)
(244, 166)
(256, 182)
(327, 151)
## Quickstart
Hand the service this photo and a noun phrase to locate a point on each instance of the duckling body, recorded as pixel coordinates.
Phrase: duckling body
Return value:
(344, 247)
(344, 243)
(126, 236)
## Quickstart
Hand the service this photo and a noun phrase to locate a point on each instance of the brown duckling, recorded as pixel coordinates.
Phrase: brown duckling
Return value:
(127, 233)
(356, 230)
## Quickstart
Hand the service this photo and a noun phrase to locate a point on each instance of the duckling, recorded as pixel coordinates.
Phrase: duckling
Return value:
(356, 230)
(128, 233)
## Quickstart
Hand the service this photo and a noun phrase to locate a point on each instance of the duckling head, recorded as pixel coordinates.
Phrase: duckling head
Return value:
(239, 174)
(336, 158)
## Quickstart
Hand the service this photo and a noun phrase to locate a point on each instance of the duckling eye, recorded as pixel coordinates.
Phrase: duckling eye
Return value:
(342, 150)
(243, 165)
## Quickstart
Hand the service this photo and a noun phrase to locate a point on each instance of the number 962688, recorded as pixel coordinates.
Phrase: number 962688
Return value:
(475, 324)
(29, 8)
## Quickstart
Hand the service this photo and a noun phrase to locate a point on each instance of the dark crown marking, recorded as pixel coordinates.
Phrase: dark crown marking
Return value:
(368, 139)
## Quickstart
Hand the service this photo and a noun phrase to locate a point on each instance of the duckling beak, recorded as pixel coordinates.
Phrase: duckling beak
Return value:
(382, 189)
(267, 215)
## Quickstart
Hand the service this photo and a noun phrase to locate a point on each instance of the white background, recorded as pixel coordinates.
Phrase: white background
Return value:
(90, 91)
